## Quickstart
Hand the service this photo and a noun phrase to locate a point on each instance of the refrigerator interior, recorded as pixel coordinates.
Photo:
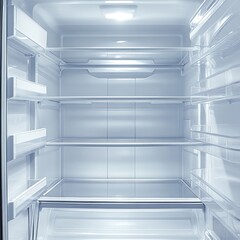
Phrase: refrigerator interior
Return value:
(122, 119)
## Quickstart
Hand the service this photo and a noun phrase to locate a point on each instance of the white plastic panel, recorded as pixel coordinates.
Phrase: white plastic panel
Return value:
(48, 116)
(24, 29)
(18, 227)
(17, 64)
(118, 124)
(124, 162)
(147, 13)
(25, 90)
(25, 143)
(26, 198)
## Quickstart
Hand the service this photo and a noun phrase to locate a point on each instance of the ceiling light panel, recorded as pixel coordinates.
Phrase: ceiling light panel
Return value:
(118, 12)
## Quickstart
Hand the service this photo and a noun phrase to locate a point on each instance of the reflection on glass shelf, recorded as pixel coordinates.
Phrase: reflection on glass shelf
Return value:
(113, 142)
(223, 191)
(221, 135)
(121, 190)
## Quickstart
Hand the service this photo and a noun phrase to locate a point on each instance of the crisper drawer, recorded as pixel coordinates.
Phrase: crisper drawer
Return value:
(176, 224)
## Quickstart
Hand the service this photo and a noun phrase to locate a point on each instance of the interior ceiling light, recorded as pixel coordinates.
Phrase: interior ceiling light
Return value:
(117, 2)
(119, 12)
(120, 42)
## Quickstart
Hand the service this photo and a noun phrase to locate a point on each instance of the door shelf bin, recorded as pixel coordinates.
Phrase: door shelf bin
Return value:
(19, 89)
(230, 93)
(210, 185)
(113, 142)
(24, 30)
(224, 209)
(24, 143)
(220, 225)
(217, 31)
(223, 86)
(25, 199)
(221, 135)
(228, 155)
(202, 16)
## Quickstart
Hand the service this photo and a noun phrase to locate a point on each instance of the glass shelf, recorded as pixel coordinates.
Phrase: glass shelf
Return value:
(220, 135)
(113, 142)
(167, 49)
(165, 193)
(117, 99)
(166, 55)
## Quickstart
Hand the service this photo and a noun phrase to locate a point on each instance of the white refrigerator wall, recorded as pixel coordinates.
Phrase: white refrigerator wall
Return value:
(115, 120)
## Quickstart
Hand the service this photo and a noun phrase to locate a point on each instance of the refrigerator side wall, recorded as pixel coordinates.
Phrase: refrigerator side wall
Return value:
(3, 207)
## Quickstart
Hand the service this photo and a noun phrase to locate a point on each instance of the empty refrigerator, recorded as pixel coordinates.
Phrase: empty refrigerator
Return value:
(119, 119)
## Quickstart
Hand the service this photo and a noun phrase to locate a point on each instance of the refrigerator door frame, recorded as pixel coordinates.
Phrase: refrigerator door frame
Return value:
(3, 113)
